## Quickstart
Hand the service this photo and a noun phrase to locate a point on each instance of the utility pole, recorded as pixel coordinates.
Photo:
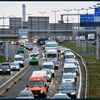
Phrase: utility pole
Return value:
(42, 12)
(55, 11)
(97, 42)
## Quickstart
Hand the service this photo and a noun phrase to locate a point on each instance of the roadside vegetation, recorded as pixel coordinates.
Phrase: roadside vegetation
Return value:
(93, 67)
(2, 59)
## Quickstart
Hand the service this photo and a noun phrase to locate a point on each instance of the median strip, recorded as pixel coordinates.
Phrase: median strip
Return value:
(13, 80)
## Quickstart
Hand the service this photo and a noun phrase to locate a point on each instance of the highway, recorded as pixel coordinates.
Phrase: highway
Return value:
(21, 84)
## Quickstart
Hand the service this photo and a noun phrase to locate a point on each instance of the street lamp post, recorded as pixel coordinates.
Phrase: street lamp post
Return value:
(97, 34)
(55, 11)
(78, 40)
(67, 18)
(42, 12)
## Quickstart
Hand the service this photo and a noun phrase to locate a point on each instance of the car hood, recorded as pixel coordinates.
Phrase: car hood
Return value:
(66, 91)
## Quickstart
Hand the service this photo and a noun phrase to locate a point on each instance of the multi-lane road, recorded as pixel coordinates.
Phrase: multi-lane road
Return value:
(53, 86)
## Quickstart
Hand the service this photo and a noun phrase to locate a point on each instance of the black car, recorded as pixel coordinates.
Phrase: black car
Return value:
(5, 69)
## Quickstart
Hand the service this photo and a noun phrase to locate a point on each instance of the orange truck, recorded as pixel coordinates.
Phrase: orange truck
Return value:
(38, 85)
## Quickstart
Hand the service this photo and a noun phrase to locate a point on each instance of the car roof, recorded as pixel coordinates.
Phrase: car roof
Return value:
(69, 53)
(48, 63)
(39, 72)
(70, 65)
(37, 78)
(18, 55)
(44, 69)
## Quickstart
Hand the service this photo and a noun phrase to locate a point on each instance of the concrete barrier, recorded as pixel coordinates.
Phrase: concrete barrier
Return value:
(7, 85)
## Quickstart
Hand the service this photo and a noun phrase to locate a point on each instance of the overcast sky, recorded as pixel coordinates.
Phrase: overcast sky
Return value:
(33, 7)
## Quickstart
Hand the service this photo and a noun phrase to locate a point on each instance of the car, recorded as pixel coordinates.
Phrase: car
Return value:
(29, 46)
(19, 58)
(49, 65)
(61, 96)
(73, 61)
(43, 72)
(68, 78)
(38, 85)
(68, 88)
(49, 74)
(69, 55)
(25, 94)
(14, 66)
(70, 69)
(20, 50)
(5, 68)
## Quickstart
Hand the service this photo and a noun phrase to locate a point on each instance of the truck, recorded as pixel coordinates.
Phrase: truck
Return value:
(38, 85)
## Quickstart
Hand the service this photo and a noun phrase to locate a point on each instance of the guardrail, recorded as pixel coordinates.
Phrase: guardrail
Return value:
(86, 92)
(7, 85)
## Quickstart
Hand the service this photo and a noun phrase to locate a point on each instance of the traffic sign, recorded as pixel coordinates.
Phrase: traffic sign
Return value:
(86, 20)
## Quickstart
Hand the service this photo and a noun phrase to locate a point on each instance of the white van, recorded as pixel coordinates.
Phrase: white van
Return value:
(18, 58)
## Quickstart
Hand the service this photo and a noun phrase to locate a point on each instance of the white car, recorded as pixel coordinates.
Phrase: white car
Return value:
(68, 78)
(69, 55)
(14, 66)
(25, 94)
(49, 74)
(61, 96)
(18, 58)
(75, 61)
(70, 69)
(49, 65)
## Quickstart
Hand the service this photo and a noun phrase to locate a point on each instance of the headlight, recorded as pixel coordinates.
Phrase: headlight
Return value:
(8, 69)
(0, 69)
(73, 93)
(41, 91)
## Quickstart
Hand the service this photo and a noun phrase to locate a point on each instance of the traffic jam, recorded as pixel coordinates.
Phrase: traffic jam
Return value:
(59, 65)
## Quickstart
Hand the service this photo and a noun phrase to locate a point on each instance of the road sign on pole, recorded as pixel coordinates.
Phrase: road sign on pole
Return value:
(97, 42)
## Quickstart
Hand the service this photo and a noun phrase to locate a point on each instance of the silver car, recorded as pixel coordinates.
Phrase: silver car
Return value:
(68, 88)
(25, 94)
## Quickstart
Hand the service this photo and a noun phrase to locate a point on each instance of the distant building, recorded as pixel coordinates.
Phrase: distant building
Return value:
(8, 34)
(38, 26)
(15, 22)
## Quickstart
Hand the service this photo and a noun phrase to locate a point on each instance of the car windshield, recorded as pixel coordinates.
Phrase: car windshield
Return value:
(69, 56)
(18, 59)
(5, 66)
(51, 55)
(14, 64)
(68, 76)
(33, 55)
(69, 70)
(66, 87)
(36, 84)
(48, 66)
